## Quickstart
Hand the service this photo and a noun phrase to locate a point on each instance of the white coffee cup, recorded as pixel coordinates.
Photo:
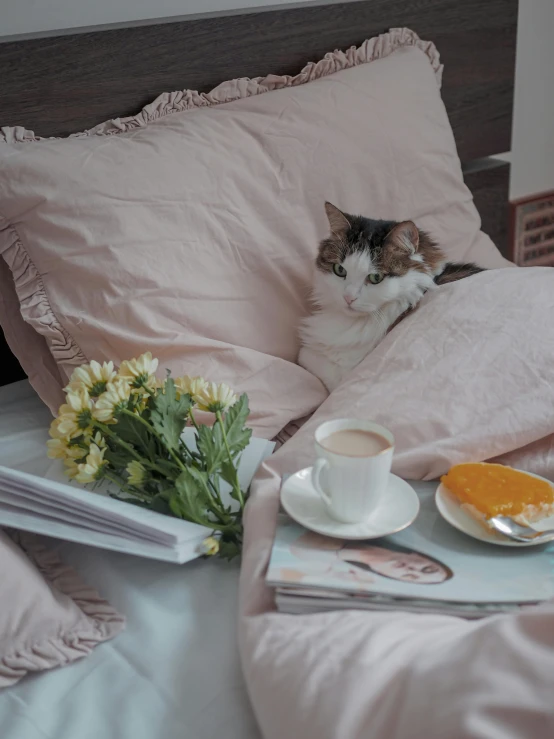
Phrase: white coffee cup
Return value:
(351, 486)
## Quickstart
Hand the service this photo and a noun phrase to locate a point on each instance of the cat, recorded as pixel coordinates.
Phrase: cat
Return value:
(369, 275)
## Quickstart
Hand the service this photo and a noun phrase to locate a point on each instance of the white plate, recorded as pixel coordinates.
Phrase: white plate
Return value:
(452, 511)
(398, 510)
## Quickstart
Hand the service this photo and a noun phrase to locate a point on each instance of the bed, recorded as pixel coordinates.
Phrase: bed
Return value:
(175, 672)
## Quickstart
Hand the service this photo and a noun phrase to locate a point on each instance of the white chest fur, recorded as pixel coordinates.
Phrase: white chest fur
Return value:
(334, 343)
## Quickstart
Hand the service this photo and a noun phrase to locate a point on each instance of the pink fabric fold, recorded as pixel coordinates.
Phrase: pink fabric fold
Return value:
(34, 304)
(48, 616)
(28, 345)
(468, 376)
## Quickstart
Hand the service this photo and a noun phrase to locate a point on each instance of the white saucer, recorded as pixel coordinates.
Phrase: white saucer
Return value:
(452, 511)
(398, 510)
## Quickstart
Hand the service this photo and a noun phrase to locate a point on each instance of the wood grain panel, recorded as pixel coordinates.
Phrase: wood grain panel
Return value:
(56, 86)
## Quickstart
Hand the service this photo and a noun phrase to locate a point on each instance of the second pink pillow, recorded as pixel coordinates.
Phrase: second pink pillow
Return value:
(48, 618)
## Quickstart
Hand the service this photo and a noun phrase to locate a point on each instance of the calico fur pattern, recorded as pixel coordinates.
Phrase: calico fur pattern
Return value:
(369, 275)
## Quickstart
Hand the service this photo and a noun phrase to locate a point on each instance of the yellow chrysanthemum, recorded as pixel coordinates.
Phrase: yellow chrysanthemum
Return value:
(214, 397)
(210, 546)
(54, 430)
(74, 455)
(112, 401)
(158, 384)
(139, 403)
(136, 473)
(71, 468)
(76, 452)
(60, 449)
(57, 448)
(94, 377)
(75, 416)
(69, 425)
(140, 372)
(99, 440)
(189, 385)
(79, 400)
(91, 469)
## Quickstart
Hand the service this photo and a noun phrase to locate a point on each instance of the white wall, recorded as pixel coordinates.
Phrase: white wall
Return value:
(533, 135)
(533, 131)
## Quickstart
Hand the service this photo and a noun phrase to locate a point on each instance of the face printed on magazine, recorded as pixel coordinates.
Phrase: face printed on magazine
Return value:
(364, 559)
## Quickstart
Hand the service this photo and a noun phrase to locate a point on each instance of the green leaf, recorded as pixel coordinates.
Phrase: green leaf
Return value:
(228, 549)
(228, 472)
(131, 430)
(160, 504)
(117, 459)
(169, 414)
(194, 498)
(235, 418)
(177, 507)
(168, 467)
(210, 445)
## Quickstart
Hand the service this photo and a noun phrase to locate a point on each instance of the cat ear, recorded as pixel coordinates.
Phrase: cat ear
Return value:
(338, 222)
(405, 236)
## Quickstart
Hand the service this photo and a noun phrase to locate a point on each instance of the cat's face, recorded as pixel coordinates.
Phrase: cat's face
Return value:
(365, 263)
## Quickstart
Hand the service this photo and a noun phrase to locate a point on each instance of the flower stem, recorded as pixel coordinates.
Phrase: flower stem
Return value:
(128, 447)
(193, 419)
(123, 444)
(125, 488)
(216, 503)
(236, 484)
(154, 433)
(216, 493)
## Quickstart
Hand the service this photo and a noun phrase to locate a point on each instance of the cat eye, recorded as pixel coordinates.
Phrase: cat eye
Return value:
(375, 278)
(339, 270)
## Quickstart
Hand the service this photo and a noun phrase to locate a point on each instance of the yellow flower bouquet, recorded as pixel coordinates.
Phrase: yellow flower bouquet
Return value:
(126, 426)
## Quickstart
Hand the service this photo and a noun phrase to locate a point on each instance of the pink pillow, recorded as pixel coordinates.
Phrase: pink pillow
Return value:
(48, 618)
(190, 229)
(28, 345)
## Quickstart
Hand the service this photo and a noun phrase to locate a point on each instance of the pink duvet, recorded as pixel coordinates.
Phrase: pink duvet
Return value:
(468, 376)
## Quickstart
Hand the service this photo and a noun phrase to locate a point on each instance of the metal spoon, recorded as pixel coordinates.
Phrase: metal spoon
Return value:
(520, 532)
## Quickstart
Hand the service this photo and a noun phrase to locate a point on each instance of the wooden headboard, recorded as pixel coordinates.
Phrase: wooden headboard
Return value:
(63, 84)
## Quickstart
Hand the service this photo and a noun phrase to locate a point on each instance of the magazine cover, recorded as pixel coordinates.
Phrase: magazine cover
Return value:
(429, 560)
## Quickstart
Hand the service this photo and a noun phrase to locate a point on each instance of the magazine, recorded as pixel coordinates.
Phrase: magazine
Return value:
(428, 567)
(53, 505)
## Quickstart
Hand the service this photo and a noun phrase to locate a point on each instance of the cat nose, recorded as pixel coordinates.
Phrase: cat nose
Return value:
(349, 299)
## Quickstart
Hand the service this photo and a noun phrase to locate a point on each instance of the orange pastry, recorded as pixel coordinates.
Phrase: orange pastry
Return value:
(487, 490)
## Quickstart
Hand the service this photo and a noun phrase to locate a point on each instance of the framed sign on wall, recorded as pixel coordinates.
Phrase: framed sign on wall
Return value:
(533, 231)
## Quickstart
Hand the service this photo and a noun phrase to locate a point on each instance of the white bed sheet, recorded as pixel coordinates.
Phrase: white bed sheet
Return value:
(174, 673)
